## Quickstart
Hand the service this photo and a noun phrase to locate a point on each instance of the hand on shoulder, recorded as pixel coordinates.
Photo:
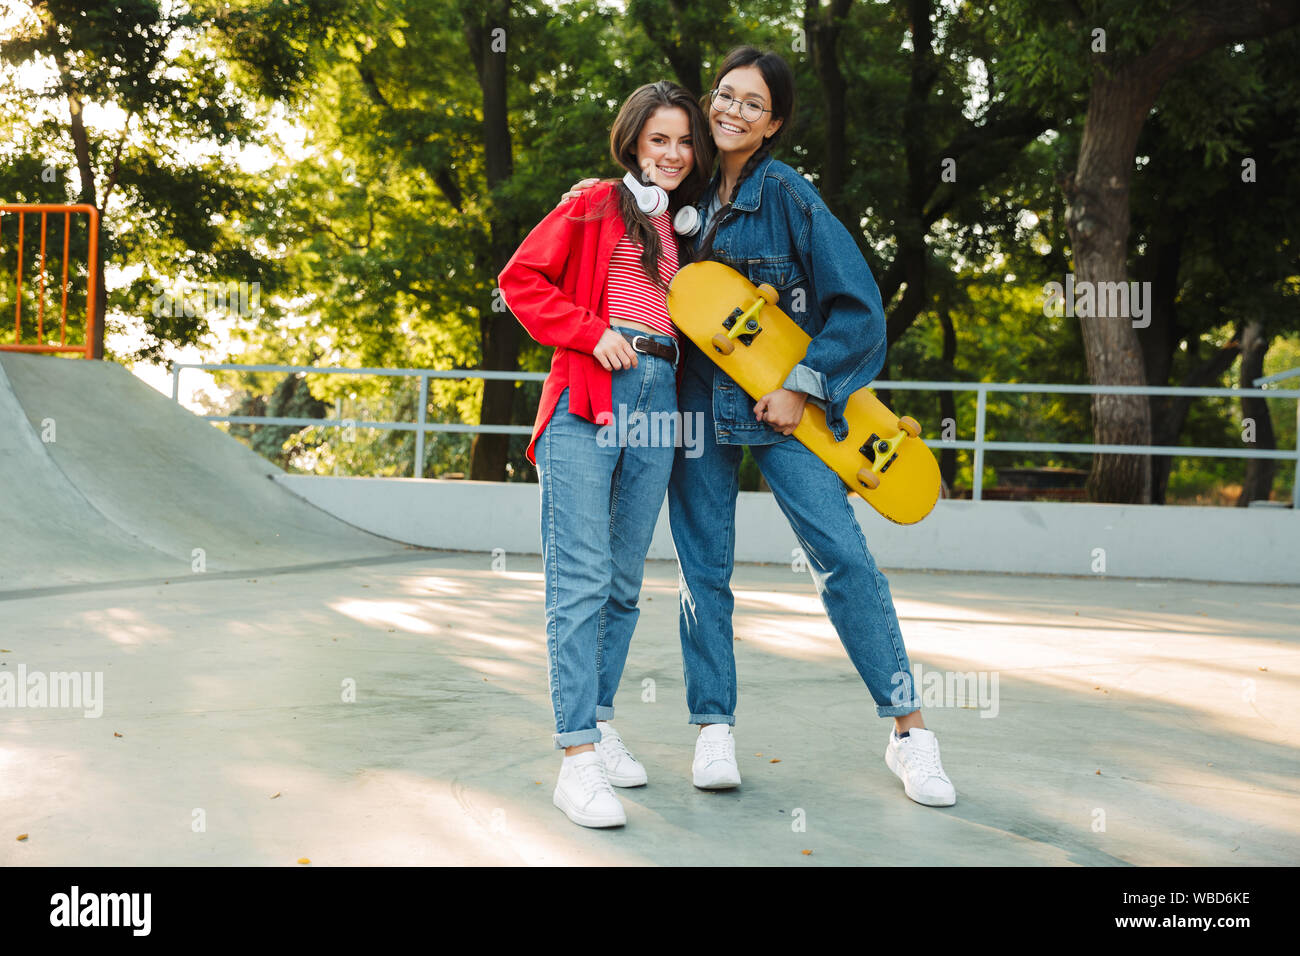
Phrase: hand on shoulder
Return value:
(578, 188)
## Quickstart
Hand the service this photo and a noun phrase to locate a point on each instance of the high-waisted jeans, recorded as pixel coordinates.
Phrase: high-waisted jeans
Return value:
(702, 514)
(602, 488)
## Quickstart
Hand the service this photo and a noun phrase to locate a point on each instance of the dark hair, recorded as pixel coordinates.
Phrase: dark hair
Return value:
(635, 112)
(780, 83)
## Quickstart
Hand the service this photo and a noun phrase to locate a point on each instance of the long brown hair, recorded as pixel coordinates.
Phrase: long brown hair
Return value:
(635, 112)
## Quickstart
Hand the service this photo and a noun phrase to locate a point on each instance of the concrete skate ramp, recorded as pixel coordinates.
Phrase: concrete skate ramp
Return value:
(49, 533)
(132, 484)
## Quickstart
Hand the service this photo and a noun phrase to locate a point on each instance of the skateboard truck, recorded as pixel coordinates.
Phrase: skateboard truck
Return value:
(882, 452)
(744, 325)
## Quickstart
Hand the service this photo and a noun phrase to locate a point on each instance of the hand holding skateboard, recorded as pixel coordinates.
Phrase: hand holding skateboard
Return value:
(782, 409)
(741, 329)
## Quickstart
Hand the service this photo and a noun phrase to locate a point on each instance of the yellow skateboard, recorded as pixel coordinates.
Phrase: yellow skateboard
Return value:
(741, 329)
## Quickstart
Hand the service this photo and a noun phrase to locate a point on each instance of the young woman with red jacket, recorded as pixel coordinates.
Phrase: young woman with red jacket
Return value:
(591, 279)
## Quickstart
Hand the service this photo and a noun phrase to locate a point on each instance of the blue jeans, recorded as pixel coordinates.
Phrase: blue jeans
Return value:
(602, 488)
(702, 513)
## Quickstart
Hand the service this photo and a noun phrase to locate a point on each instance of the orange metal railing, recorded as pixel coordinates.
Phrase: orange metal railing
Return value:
(22, 211)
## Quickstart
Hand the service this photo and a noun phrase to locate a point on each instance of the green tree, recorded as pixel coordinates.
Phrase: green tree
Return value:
(150, 157)
(1123, 55)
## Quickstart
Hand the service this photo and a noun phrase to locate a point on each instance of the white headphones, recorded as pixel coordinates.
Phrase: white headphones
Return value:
(650, 199)
(687, 221)
(653, 201)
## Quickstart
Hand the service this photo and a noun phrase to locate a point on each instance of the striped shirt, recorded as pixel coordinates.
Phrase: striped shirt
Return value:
(632, 297)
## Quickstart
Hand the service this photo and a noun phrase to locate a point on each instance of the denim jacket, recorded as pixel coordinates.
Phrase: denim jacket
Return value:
(783, 234)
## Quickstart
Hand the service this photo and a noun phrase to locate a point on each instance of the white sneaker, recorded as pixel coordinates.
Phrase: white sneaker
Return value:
(715, 759)
(621, 768)
(915, 759)
(585, 795)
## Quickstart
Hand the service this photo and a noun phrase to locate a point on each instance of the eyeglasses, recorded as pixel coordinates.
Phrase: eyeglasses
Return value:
(750, 111)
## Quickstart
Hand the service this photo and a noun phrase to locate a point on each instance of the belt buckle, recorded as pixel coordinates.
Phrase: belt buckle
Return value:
(640, 341)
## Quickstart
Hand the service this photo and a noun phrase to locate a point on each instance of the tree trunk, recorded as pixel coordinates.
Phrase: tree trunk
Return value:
(677, 40)
(913, 254)
(87, 196)
(101, 302)
(1159, 343)
(1097, 217)
(823, 30)
(947, 400)
(498, 331)
(1168, 423)
(1258, 484)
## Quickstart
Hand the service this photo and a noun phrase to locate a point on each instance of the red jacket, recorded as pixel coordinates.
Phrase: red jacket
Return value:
(554, 285)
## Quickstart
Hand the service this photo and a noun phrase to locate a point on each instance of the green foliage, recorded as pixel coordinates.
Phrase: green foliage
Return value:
(158, 110)
(373, 237)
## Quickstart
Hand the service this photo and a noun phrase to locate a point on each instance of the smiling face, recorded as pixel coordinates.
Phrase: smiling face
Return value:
(732, 133)
(665, 142)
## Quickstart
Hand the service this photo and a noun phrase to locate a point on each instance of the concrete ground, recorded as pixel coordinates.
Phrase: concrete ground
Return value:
(1145, 723)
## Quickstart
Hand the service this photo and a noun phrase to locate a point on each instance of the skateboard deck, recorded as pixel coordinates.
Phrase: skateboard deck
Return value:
(740, 327)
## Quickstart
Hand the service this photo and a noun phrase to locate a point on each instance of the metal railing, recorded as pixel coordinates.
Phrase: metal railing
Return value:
(979, 444)
(420, 426)
(23, 210)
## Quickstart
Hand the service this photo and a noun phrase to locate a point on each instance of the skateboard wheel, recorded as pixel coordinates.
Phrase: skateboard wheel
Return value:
(768, 294)
(723, 344)
(910, 425)
(869, 478)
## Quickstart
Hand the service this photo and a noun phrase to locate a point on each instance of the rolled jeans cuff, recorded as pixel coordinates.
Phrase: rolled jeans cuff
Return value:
(575, 738)
(712, 719)
(604, 713)
(896, 710)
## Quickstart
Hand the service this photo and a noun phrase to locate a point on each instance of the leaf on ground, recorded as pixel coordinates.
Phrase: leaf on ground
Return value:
(807, 852)
(21, 837)
(303, 859)
(274, 795)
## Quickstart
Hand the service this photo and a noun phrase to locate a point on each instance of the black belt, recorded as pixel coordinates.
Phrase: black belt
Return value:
(643, 343)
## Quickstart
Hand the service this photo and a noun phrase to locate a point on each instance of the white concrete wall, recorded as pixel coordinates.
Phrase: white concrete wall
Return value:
(1211, 544)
